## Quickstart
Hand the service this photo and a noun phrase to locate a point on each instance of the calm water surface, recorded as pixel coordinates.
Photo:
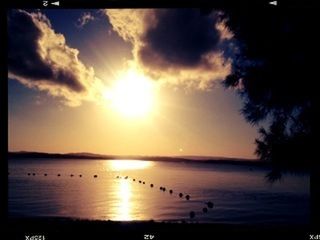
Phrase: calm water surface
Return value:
(240, 193)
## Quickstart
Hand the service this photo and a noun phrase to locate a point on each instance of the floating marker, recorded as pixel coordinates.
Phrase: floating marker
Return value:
(170, 191)
(205, 210)
(71, 175)
(164, 189)
(126, 177)
(29, 174)
(80, 175)
(180, 194)
(59, 175)
(33, 174)
(210, 204)
(187, 197)
(144, 183)
(151, 185)
(95, 176)
(45, 174)
(192, 214)
(134, 179)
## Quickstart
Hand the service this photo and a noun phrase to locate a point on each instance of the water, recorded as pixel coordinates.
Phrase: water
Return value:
(240, 193)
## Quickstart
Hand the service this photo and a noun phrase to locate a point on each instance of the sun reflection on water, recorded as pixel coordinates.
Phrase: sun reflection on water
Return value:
(118, 165)
(124, 208)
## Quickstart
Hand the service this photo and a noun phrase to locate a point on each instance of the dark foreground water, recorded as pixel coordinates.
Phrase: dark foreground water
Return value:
(240, 193)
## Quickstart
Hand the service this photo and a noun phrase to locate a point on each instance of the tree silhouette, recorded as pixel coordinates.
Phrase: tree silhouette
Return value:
(274, 74)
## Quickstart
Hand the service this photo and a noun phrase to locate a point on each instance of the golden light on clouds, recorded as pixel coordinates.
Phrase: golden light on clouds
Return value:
(47, 62)
(169, 59)
(134, 88)
(132, 94)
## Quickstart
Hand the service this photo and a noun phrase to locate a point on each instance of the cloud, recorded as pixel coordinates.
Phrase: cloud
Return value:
(183, 46)
(85, 19)
(38, 57)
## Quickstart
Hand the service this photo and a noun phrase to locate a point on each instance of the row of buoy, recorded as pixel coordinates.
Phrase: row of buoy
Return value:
(59, 175)
(152, 185)
(192, 214)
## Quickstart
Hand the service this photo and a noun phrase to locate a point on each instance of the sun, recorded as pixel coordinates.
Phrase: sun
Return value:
(132, 95)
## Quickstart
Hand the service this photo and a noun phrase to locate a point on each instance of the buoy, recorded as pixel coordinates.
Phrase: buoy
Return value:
(143, 183)
(151, 185)
(187, 197)
(45, 174)
(205, 210)
(192, 214)
(139, 181)
(210, 204)
(71, 175)
(160, 188)
(164, 189)
(170, 191)
(134, 179)
(117, 176)
(180, 194)
(33, 174)
(126, 177)
(95, 176)
(29, 174)
(59, 175)
(80, 175)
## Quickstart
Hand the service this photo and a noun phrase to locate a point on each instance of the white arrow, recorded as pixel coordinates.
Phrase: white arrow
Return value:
(275, 3)
(57, 3)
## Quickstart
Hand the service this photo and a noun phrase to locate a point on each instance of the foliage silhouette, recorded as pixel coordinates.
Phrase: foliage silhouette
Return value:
(273, 74)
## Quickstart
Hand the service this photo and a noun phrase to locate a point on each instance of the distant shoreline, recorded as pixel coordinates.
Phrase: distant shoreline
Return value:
(77, 156)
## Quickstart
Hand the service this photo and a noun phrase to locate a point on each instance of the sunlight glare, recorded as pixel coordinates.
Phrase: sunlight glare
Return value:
(118, 165)
(132, 95)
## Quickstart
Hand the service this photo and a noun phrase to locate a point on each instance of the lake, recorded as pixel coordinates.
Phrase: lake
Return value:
(240, 194)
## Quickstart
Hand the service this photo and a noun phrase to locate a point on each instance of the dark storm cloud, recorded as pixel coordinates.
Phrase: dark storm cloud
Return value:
(23, 56)
(180, 37)
(39, 58)
(179, 46)
(24, 59)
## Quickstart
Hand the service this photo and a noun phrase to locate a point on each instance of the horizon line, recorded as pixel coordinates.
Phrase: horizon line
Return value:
(201, 157)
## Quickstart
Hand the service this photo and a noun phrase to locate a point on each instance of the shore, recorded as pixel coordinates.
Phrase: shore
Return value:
(91, 156)
(65, 228)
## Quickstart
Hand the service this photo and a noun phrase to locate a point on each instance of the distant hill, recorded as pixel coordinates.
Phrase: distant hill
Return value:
(24, 154)
(187, 159)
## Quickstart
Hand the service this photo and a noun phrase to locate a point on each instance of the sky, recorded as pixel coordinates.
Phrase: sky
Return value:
(124, 82)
